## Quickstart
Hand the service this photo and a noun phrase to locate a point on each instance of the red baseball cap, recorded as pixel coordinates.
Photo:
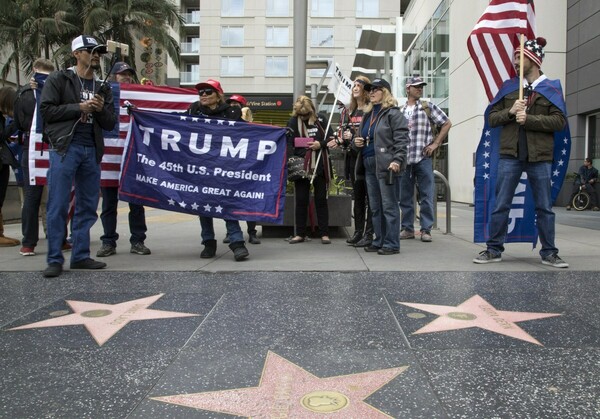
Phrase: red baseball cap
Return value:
(210, 84)
(238, 98)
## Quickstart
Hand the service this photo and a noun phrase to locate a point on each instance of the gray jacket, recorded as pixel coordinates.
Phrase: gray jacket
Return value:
(391, 139)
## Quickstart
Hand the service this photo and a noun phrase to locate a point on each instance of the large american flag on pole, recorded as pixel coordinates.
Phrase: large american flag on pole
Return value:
(156, 98)
(495, 37)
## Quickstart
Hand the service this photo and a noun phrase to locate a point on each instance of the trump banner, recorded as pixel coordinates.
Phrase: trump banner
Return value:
(205, 166)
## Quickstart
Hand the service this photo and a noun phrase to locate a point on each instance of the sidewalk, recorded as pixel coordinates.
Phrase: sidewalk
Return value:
(174, 239)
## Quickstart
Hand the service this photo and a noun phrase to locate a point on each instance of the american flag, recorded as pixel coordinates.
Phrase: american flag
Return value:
(157, 98)
(495, 37)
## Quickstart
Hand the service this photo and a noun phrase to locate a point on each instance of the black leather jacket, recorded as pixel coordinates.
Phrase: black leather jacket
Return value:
(59, 106)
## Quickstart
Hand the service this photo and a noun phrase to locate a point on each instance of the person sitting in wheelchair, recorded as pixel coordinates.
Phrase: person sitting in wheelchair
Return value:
(586, 181)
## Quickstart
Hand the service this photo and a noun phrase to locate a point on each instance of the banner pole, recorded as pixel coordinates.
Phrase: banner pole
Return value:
(335, 100)
(521, 67)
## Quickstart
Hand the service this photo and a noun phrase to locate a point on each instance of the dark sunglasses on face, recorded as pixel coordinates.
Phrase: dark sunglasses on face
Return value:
(208, 92)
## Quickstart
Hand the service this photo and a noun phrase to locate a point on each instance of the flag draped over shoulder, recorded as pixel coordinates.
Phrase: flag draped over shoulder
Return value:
(166, 99)
(205, 166)
(521, 225)
(495, 37)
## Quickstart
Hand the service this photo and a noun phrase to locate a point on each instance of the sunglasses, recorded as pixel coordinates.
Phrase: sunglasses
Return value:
(206, 92)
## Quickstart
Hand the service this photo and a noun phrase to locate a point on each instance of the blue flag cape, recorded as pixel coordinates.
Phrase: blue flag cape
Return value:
(522, 226)
(205, 166)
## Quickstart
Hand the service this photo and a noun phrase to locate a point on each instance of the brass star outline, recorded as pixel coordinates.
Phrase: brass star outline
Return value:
(103, 321)
(477, 312)
(287, 390)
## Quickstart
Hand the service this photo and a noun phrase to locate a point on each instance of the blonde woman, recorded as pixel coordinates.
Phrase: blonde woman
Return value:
(383, 138)
(309, 141)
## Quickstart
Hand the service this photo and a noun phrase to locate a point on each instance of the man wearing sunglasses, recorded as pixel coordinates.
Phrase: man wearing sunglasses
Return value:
(75, 113)
(212, 103)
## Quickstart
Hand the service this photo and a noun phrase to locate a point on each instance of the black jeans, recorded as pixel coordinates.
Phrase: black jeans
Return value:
(302, 192)
(30, 213)
(137, 219)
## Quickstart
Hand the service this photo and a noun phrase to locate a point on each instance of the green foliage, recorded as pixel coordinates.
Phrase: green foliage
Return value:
(337, 186)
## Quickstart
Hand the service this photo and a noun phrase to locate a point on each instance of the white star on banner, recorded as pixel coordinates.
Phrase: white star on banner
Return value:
(566, 140)
(206, 120)
(560, 162)
(563, 151)
(219, 209)
(487, 134)
(195, 119)
(182, 204)
(486, 144)
(182, 118)
(486, 155)
(207, 207)
(486, 165)
(555, 173)
(220, 122)
(486, 175)
(231, 123)
(194, 206)
(171, 202)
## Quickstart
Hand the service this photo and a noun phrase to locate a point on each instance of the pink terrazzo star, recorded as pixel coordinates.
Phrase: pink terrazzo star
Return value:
(286, 390)
(105, 320)
(476, 312)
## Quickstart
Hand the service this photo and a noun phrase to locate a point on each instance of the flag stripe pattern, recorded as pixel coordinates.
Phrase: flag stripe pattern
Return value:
(155, 98)
(495, 37)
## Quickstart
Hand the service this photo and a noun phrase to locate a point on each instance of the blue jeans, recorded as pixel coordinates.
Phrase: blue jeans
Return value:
(77, 167)
(234, 231)
(383, 200)
(137, 219)
(422, 174)
(539, 175)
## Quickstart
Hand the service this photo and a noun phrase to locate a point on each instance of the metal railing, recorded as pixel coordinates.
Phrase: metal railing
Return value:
(448, 205)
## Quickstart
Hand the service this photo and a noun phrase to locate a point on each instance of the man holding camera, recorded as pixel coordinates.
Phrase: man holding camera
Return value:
(76, 106)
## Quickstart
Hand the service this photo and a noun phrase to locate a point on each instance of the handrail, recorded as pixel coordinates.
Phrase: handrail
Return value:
(448, 205)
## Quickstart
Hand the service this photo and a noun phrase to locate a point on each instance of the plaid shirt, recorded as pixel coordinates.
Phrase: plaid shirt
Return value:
(420, 130)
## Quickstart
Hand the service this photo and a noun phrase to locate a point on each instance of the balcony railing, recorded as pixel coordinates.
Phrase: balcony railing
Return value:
(190, 47)
(191, 18)
(189, 77)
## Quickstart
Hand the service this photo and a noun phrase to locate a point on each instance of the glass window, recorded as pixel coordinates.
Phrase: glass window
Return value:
(321, 8)
(358, 34)
(232, 8)
(593, 140)
(321, 36)
(319, 71)
(232, 36)
(278, 36)
(276, 66)
(367, 8)
(232, 66)
(278, 8)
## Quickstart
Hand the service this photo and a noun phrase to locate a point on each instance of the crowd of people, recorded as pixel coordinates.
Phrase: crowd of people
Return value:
(389, 151)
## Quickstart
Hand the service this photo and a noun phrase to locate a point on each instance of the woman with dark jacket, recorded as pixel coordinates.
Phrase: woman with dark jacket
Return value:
(309, 141)
(383, 138)
(7, 98)
(212, 103)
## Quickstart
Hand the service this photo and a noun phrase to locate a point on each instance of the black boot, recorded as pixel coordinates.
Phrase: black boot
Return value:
(210, 249)
(355, 238)
(252, 239)
(365, 241)
(239, 251)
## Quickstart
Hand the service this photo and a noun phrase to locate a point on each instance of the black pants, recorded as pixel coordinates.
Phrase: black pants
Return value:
(30, 214)
(137, 219)
(302, 191)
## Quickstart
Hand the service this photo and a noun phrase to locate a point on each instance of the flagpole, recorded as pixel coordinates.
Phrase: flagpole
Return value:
(326, 131)
(521, 67)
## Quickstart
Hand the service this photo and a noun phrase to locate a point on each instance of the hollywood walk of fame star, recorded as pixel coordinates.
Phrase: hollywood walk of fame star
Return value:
(103, 321)
(477, 312)
(287, 390)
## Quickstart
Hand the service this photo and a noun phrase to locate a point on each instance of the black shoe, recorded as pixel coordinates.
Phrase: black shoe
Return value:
(364, 242)
(88, 264)
(239, 251)
(387, 251)
(371, 248)
(355, 238)
(252, 239)
(53, 270)
(210, 249)
(226, 240)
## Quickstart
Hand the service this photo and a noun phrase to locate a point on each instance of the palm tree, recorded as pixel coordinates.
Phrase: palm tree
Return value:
(31, 29)
(129, 21)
